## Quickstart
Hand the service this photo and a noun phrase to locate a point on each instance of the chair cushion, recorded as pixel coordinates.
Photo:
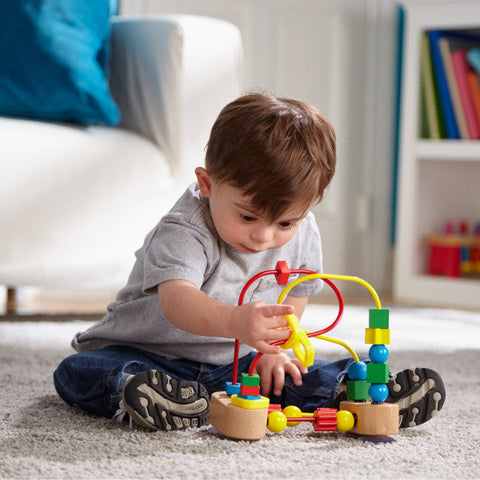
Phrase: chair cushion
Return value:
(54, 58)
(76, 202)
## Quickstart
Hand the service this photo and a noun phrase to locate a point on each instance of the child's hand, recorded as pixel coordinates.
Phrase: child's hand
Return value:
(272, 370)
(259, 324)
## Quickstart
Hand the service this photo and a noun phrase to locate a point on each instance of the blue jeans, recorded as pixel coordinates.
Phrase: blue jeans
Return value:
(93, 380)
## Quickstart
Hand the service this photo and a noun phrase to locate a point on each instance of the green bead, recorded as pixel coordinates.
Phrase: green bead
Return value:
(379, 318)
(251, 380)
(357, 390)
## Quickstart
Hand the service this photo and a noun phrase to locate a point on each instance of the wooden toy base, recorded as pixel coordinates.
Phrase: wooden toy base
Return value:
(236, 422)
(373, 419)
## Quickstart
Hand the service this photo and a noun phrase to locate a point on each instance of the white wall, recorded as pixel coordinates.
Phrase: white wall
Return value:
(339, 55)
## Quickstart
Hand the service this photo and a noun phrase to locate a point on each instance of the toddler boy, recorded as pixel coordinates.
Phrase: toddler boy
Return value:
(166, 343)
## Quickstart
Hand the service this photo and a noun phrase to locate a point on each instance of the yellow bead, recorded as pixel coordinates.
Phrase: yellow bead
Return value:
(377, 336)
(276, 421)
(345, 421)
(292, 412)
(262, 402)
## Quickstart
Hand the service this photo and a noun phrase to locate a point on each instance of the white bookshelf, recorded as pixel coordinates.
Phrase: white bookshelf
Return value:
(439, 180)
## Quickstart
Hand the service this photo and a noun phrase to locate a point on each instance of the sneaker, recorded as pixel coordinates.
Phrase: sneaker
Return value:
(419, 393)
(157, 401)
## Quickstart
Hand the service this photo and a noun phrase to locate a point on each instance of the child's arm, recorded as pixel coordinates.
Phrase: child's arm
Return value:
(257, 324)
(298, 302)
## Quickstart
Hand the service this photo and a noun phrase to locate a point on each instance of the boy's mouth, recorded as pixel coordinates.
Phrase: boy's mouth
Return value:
(249, 250)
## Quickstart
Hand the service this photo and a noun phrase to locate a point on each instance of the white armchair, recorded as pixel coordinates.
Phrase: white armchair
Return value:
(76, 202)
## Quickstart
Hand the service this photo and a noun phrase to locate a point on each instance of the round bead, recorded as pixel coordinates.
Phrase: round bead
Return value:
(345, 420)
(276, 421)
(357, 371)
(378, 392)
(378, 353)
(292, 412)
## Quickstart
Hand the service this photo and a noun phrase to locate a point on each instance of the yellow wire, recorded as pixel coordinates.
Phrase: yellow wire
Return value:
(339, 342)
(333, 277)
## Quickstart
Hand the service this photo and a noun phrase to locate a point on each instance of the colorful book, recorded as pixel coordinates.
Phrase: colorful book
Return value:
(473, 57)
(474, 84)
(448, 114)
(446, 52)
(461, 68)
(433, 123)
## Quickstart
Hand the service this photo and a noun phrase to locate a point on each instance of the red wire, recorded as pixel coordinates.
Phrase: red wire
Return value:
(311, 334)
(340, 310)
(301, 419)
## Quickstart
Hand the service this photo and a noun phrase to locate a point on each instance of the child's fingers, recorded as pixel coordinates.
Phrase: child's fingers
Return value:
(278, 321)
(295, 372)
(278, 381)
(265, 384)
(303, 370)
(277, 334)
(278, 309)
(265, 347)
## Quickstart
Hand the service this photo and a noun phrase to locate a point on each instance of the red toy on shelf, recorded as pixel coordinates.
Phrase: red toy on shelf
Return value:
(241, 411)
(454, 254)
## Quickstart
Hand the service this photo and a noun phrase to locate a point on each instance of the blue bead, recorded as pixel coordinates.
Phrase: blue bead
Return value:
(378, 353)
(232, 389)
(378, 392)
(357, 371)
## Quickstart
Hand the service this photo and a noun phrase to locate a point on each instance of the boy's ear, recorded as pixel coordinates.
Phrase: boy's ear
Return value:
(204, 181)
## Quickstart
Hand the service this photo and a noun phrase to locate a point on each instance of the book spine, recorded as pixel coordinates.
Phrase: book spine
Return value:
(428, 92)
(443, 92)
(446, 53)
(473, 57)
(474, 84)
(460, 66)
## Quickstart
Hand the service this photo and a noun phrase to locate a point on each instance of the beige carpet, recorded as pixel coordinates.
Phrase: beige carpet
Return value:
(42, 438)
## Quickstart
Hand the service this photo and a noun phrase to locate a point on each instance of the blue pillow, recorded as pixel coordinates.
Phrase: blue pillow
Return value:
(54, 57)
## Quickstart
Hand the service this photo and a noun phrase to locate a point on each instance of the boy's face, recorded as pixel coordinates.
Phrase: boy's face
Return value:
(237, 222)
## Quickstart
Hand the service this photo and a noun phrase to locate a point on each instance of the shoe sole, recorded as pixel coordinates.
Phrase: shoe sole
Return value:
(157, 401)
(419, 393)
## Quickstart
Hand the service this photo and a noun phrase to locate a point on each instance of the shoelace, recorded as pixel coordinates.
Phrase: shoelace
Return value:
(119, 415)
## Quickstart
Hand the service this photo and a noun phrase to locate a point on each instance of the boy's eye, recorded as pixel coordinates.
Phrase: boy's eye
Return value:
(287, 225)
(248, 218)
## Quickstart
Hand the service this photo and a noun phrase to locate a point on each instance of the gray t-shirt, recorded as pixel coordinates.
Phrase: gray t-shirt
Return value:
(184, 245)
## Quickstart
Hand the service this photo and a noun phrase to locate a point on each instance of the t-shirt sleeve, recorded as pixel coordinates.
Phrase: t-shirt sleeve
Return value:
(311, 257)
(178, 250)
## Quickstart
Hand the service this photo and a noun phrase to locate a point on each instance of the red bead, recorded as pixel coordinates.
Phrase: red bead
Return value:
(283, 272)
(325, 420)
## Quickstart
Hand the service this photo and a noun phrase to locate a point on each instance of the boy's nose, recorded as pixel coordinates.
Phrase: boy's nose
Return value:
(262, 235)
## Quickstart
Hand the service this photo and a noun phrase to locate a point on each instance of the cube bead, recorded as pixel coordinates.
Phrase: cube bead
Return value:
(283, 273)
(377, 373)
(379, 318)
(357, 390)
(377, 336)
(251, 380)
(249, 390)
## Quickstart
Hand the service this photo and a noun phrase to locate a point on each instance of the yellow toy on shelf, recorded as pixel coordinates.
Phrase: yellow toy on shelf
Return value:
(241, 412)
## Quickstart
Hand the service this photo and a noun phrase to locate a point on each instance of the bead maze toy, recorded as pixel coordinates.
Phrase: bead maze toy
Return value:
(241, 412)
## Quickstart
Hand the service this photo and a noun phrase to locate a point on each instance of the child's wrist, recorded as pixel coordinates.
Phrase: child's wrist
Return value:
(233, 319)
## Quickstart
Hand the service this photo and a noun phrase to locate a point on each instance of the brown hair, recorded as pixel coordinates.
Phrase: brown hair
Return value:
(280, 150)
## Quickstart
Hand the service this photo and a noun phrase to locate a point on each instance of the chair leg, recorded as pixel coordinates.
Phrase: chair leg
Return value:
(12, 304)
